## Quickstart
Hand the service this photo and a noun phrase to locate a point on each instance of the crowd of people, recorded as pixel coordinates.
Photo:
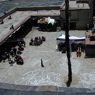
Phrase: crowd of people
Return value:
(37, 41)
(13, 55)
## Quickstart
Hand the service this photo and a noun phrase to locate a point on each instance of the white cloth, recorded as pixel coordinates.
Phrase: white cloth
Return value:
(50, 20)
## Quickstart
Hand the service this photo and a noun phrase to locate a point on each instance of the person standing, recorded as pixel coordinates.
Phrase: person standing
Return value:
(42, 65)
(78, 51)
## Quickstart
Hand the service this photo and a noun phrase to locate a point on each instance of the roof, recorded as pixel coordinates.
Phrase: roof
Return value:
(73, 5)
(18, 17)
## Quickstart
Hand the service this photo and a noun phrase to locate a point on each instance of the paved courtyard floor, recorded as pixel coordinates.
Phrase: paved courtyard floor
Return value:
(55, 64)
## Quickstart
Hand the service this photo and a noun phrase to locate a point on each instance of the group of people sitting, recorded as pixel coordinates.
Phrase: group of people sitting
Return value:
(78, 47)
(13, 55)
(37, 41)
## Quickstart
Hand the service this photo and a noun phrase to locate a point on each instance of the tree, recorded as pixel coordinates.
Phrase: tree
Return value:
(68, 83)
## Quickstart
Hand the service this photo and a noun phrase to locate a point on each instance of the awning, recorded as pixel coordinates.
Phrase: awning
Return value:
(72, 38)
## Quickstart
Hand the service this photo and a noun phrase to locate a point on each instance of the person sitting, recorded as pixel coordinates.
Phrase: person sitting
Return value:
(64, 49)
(43, 38)
(39, 41)
(10, 17)
(31, 41)
(7, 55)
(18, 42)
(21, 48)
(19, 60)
(13, 51)
(1, 21)
(0, 58)
(12, 27)
(11, 62)
(36, 41)
(22, 42)
(3, 56)
(19, 52)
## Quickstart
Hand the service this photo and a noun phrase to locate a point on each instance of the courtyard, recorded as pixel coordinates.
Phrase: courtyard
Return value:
(55, 68)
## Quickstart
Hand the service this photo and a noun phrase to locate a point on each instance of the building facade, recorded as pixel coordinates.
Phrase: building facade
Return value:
(91, 4)
(90, 45)
(80, 15)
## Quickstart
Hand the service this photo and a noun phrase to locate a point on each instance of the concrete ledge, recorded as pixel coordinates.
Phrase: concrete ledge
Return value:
(28, 88)
(8, 13)
(46, 88)
(34, 8)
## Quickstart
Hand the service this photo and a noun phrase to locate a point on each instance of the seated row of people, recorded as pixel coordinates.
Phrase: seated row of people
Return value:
(37, 41)
(73, 47)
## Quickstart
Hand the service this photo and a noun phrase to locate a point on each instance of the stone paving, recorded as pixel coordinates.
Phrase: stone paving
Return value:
(55, 71)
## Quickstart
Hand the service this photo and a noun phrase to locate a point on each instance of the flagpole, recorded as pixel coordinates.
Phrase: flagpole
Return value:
(68, 83)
